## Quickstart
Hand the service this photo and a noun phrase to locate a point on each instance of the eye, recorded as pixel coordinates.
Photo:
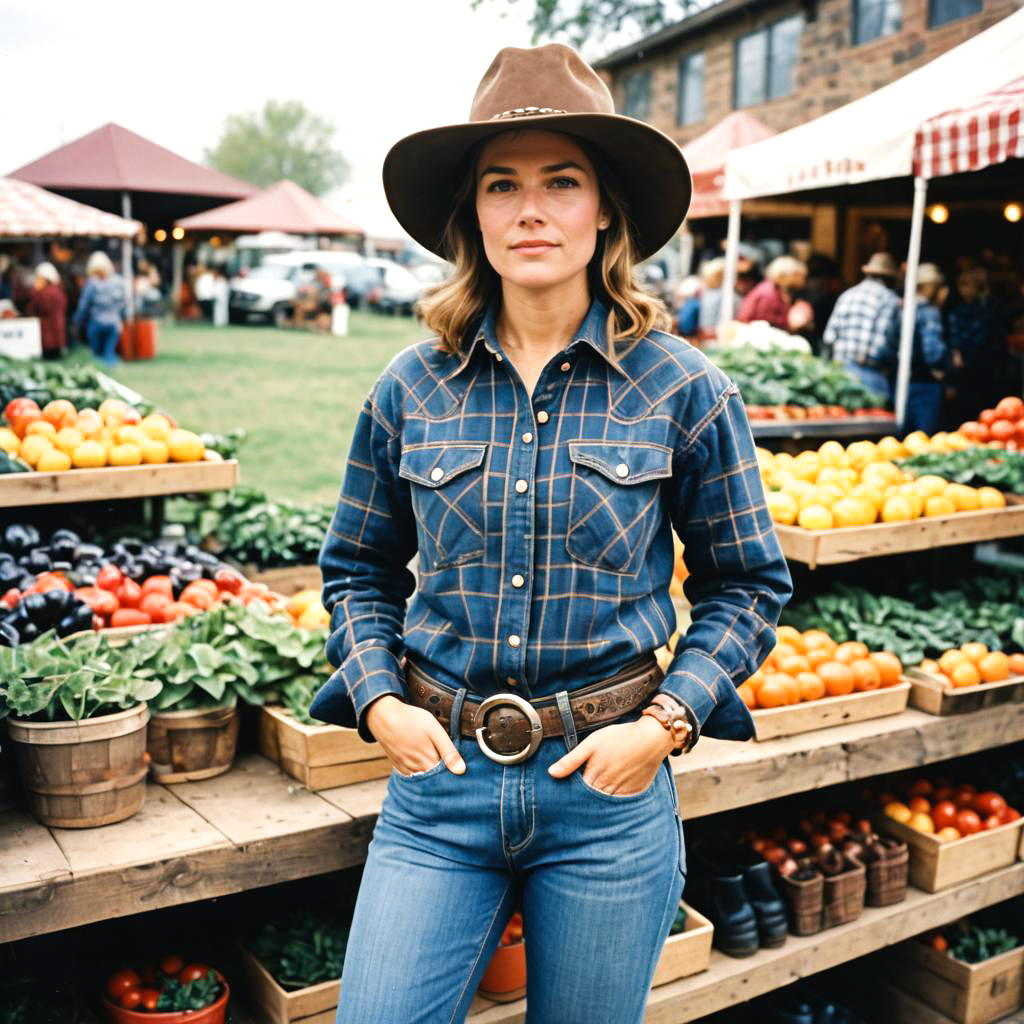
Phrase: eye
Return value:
(496, 186)
(564, 182)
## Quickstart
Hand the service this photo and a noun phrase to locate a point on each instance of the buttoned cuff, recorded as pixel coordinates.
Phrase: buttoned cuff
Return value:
(366, 674)
(698, 682)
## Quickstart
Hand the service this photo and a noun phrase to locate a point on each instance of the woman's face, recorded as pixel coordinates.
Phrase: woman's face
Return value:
(539, 208)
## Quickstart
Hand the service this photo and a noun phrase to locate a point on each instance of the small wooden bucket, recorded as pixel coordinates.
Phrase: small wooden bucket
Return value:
(844, 894)
(196, 744)
(804, 901)
(83, 774)
(887, 875)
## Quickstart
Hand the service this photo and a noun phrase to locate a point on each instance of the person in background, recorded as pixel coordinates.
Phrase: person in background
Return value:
(49, 304)
(772, 299)
(101, 310)
(687, 303)
(929, 361)
(977, 346)
(204, 286)
(863, 331)
(712, 274)
(221, 294)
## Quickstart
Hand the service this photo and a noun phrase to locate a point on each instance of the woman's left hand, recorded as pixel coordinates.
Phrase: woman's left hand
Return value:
(621, 759)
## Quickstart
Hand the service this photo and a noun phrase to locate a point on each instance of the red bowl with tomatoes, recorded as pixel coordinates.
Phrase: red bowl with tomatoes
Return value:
(128, 999)
(506, 973)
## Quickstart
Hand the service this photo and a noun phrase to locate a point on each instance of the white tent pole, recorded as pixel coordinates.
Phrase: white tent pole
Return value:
(177, 267)
(126, 259)
(910, 301)
(732, 250)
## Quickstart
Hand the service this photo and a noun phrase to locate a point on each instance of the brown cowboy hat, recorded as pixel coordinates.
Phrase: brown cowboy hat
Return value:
(552, 88)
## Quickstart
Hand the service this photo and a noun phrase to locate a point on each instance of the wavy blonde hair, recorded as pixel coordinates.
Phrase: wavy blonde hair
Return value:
(455, 306)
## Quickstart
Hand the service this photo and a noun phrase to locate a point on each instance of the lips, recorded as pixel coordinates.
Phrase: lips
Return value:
(533, 247)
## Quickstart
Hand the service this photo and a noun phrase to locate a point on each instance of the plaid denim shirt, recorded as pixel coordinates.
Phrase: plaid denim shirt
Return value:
(544, 526)
(864, 326)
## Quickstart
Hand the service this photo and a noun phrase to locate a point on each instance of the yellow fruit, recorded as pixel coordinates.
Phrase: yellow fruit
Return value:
(154, 451)
(868, 493)
(860, 453)
(89, 455)
(313, 617)
(989, 497)
(929, 486)
(815, 517)
(853, 512)
(898, 811)
(33, 447)
(883, 472)
(106, 438)
(68, 439)
(940, 505)
(111, 405)
(130, 435)
(126, 455)
(89, 423)
(831, 453)
(300, 601)
(184, 446)
(897, 510)
(782, 507)
(44, 428)
(9, 441)
(53, 461)
(159, 427)
(957, 442)
(917, 443)
(805, 470)
(891, 448)
(819, 496)
(922, 822)
(797, 488)
(964, 498)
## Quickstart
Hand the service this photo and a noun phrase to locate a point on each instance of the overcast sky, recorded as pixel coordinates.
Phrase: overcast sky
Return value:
(172, 71)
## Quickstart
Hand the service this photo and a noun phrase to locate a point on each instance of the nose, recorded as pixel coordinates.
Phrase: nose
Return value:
(530, 211)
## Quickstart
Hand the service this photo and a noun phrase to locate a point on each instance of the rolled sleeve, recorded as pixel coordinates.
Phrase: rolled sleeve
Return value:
(739, 580)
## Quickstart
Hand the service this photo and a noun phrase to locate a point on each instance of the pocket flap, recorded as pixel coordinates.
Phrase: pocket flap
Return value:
(433, 465)
(623, 462)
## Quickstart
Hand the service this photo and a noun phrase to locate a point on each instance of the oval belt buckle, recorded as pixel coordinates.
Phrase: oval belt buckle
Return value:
(523, 705)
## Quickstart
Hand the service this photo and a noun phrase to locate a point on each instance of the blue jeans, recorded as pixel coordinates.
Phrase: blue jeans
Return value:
(103, 339)
(598, 878)
(924, 406)
(873, 379)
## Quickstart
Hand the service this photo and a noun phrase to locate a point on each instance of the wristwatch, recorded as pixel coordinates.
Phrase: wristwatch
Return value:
(673, 717)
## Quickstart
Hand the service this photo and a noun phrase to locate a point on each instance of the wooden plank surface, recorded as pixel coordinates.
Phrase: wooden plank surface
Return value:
(114, 482)
(730, 981)
(31, 857)
(820, 429)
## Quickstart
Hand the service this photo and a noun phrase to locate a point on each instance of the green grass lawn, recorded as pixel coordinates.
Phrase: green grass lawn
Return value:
(296, 393)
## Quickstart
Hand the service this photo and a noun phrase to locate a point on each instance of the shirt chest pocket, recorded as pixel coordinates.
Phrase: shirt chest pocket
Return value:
(446, 482)
(614, 502)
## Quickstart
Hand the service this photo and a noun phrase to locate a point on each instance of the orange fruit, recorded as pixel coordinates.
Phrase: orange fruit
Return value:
(782, 651)
(852, 650)
(817, 638)
(1017, 664)
(975, 652)
(790, 691)
(920, 805)
(865, 674)
(837, 677)
(794, 665)
(791, 636)
(755, 681)
(966, 674)
(890, 668)
(950, 659)
(994, 667)
(816, 655)
(811, 686)
(61, 413)
(897, 811)
(922, 822)
(771, 694)
(747, 695)
(929, 665)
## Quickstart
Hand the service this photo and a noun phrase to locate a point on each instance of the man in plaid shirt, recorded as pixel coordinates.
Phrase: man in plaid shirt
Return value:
(863, 330)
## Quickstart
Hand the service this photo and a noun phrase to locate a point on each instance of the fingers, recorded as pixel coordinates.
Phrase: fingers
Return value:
(446, 750)
(571, 761)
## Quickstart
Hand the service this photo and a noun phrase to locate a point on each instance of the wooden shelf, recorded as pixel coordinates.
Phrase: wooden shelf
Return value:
(729, 981)
(822, 429)
(849, 543)
(113, 483)
(256, 826)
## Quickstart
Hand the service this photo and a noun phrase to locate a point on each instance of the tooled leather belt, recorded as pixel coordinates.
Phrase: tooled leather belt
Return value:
(506, 722)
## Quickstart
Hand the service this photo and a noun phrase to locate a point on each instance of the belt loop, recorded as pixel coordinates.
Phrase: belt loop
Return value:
(568, 725)
(453, 726)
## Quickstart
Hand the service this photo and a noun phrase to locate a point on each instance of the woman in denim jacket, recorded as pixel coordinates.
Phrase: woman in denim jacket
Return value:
(537, 455)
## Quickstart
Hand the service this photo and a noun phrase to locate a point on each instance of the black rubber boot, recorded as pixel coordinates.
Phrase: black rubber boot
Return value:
(731, 913)
(769, 910)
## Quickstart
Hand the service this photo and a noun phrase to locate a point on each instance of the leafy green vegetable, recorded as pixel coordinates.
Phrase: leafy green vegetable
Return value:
(679, 923)
(195, 995)
(81, 384)
(979, 467)
(25, 1001)
(297, 694)
(302, 950)
(12, 464)
(978, 944)
(226, 445)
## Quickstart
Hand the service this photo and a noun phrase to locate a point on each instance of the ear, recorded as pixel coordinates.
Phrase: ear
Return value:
(604, 219)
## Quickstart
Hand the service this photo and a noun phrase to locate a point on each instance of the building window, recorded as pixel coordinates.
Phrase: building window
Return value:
(636, 93)
(941, 11)
(691, 89)
(765, 61)
(873, 19)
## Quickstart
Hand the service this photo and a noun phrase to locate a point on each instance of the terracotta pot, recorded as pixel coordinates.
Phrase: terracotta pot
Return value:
(505, 977)
(212, 1014)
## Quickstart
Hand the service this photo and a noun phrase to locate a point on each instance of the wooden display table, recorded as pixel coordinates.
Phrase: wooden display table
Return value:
(823, 429)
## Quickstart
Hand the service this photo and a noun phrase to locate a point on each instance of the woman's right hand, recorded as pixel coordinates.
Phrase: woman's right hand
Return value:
(413, 739)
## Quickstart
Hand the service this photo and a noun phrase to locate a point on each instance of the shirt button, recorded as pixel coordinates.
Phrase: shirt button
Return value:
(514, 640)
(517, 580)
(527, 437)
(498, 357)
(521, 486)
(564, 367)
(542, 417)
(436, 473)
(622, 469)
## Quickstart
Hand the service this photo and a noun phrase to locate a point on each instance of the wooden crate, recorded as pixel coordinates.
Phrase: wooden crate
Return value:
(113, 482)
(687, 953)
(314, 1005)
(967, 993)
(936, 865)
(770, 723)
(287, 580)
(849, 543)
(319, 756)
(935, 697)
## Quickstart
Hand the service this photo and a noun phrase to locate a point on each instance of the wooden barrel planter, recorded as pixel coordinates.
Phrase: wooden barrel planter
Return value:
(83, 774)
(196, 744)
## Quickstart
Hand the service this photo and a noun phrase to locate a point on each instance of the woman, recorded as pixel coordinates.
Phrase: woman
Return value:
(538, 454)
(47, 302)
(101, 309)
(773, 299)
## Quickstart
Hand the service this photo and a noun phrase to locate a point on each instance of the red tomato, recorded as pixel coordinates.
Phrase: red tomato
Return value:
(964, 795)
(987, 417)
(988, 803)
(11, 598)
(818, 839)
(129, 594)
(941, 793)
(228, 580)
(121, 981)
(150, 997)
(102, 602)
(1010, 408)
(992, 821)
(200, 598)
(1002, 430)
(179, 610)
(158, 585)
(844, 816)
(130, 998)
(52, 581)
(967, 823)
(944, 815)
(21, 423)
(797, 847)
(1009, 814)
(938, 943)
(920, 805)
(155, 605)
(192, 973)
(18, 407)
(109, 578)
(919, 787)
(130, 617)
(171, 965)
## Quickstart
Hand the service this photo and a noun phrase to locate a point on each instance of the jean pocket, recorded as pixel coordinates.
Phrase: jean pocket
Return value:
(447, 485)
(617, 798)
(416, 776)
(614, 502)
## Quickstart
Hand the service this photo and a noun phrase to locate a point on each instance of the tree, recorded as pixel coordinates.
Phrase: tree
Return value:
(284, 140)
(591, 21)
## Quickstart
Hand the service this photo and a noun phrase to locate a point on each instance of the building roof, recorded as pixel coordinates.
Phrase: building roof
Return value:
(113, 158)
(27, 211)
(281, 207)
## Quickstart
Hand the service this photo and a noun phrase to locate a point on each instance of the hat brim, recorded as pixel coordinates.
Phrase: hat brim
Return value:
(420, 172)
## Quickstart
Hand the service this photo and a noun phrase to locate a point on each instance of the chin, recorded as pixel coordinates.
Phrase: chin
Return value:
(537, 276)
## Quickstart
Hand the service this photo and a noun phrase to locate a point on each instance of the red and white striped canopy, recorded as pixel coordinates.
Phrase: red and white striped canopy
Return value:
(983, 132)
(27, 211)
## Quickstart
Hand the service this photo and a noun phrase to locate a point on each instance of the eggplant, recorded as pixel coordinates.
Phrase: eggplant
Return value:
(182, 575)
(58, 601)
(19, 537)
(90, 553)
(62, 535)
(28, 632)
(37, 609)
(9, 635)
(64, 567)
(6, 556)
(64, 548)
(37, 561)
(75, 621)
(135, 570)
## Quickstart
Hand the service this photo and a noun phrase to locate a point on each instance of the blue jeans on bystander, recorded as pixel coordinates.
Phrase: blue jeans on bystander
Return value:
(103, 339)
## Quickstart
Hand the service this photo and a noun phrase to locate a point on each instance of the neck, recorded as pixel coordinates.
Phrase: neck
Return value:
(540, 322)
